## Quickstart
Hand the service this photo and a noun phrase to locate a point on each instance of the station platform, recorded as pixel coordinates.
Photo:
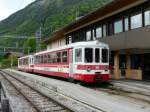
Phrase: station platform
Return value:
(135, 86)
(98, 99)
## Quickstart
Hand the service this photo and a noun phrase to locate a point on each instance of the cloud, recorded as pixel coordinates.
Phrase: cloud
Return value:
(8, 7)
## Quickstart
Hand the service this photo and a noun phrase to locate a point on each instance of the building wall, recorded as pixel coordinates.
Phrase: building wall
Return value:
(137, 38)
(57, 43)
(109, 25)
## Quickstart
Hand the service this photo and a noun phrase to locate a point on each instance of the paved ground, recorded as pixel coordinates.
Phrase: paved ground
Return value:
(133, 86)
(99, 99)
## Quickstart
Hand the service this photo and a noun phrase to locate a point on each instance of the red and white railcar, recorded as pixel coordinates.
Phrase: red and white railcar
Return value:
(26, 63)
(82, 61)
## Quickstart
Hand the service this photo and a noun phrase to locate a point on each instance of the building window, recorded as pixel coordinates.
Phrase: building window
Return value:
(88, 36)
(135, 61)
(78, 55)
(126, 24)
(136, 21)
(147, 18)
(99, 32)
(122, 61)
(118, 26)
(104, 30)
(70, 39)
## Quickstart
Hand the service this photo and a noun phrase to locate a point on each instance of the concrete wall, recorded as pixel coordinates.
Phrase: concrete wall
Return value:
(136, 38)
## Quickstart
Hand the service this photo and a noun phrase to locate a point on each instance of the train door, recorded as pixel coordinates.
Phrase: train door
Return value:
(31, 63)
(71, 64)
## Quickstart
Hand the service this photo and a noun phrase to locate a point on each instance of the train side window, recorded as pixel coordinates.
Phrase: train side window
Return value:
(49, 58)
(45, 58)
(104, 55)
(78, 55)
(64, 56)
(38, 59)
(58, 57)
(42, 58)
(97, 55)
(88, 55)
(53, 57)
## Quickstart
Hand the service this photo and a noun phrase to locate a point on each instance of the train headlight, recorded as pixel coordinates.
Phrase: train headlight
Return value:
(88, 69)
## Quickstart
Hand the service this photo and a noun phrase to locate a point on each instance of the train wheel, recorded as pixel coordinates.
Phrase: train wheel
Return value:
(71, 80)
(83, 83)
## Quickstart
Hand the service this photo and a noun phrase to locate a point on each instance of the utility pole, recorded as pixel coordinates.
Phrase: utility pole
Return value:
(38, 39)
(77, 13)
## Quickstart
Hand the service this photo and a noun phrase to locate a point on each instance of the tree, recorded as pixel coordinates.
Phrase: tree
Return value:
(29, 45)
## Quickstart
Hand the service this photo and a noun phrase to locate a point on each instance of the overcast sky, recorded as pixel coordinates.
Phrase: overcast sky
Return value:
(8, 7)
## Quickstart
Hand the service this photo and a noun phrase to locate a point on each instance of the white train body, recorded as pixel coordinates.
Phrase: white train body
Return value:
(82, 61)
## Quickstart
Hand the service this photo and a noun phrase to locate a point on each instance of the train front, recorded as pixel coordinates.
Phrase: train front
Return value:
(92, 64)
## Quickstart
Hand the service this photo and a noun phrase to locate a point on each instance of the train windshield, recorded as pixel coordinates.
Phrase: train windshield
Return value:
(93, 55)
(88, 55)
(97, 55)
(104, 55)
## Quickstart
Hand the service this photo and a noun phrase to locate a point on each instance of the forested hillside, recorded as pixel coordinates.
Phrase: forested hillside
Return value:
(51, 15)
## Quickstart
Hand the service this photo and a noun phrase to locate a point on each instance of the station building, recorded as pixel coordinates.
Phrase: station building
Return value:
(125, 26)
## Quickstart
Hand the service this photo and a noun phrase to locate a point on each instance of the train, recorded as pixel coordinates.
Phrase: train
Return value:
(86, 62)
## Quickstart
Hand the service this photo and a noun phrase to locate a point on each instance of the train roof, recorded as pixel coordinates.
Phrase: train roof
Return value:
(77, 44)
(25, 56)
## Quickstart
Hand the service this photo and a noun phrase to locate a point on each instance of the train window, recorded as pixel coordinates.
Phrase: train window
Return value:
(64, 56)
(38, 59)
(97, 55)
(58, 57)
(42, 59)
(78, 55)
(53, 57)
(88, 55)
(49, 58)
(45, 58)
(104, 55)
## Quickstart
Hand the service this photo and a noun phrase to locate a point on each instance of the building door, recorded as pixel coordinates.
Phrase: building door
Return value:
(122, 64)
(146, 68)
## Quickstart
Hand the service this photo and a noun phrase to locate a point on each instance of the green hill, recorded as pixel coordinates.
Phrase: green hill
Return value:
(51, 15)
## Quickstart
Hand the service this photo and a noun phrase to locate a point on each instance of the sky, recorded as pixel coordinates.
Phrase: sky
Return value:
(8, 7)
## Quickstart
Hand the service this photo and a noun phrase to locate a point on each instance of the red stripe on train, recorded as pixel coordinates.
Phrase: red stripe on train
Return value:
(92, 67)
(58, 74)
(55, 66)
(91, 78)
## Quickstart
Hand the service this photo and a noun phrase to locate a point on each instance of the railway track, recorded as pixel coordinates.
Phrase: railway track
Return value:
(39, 101)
